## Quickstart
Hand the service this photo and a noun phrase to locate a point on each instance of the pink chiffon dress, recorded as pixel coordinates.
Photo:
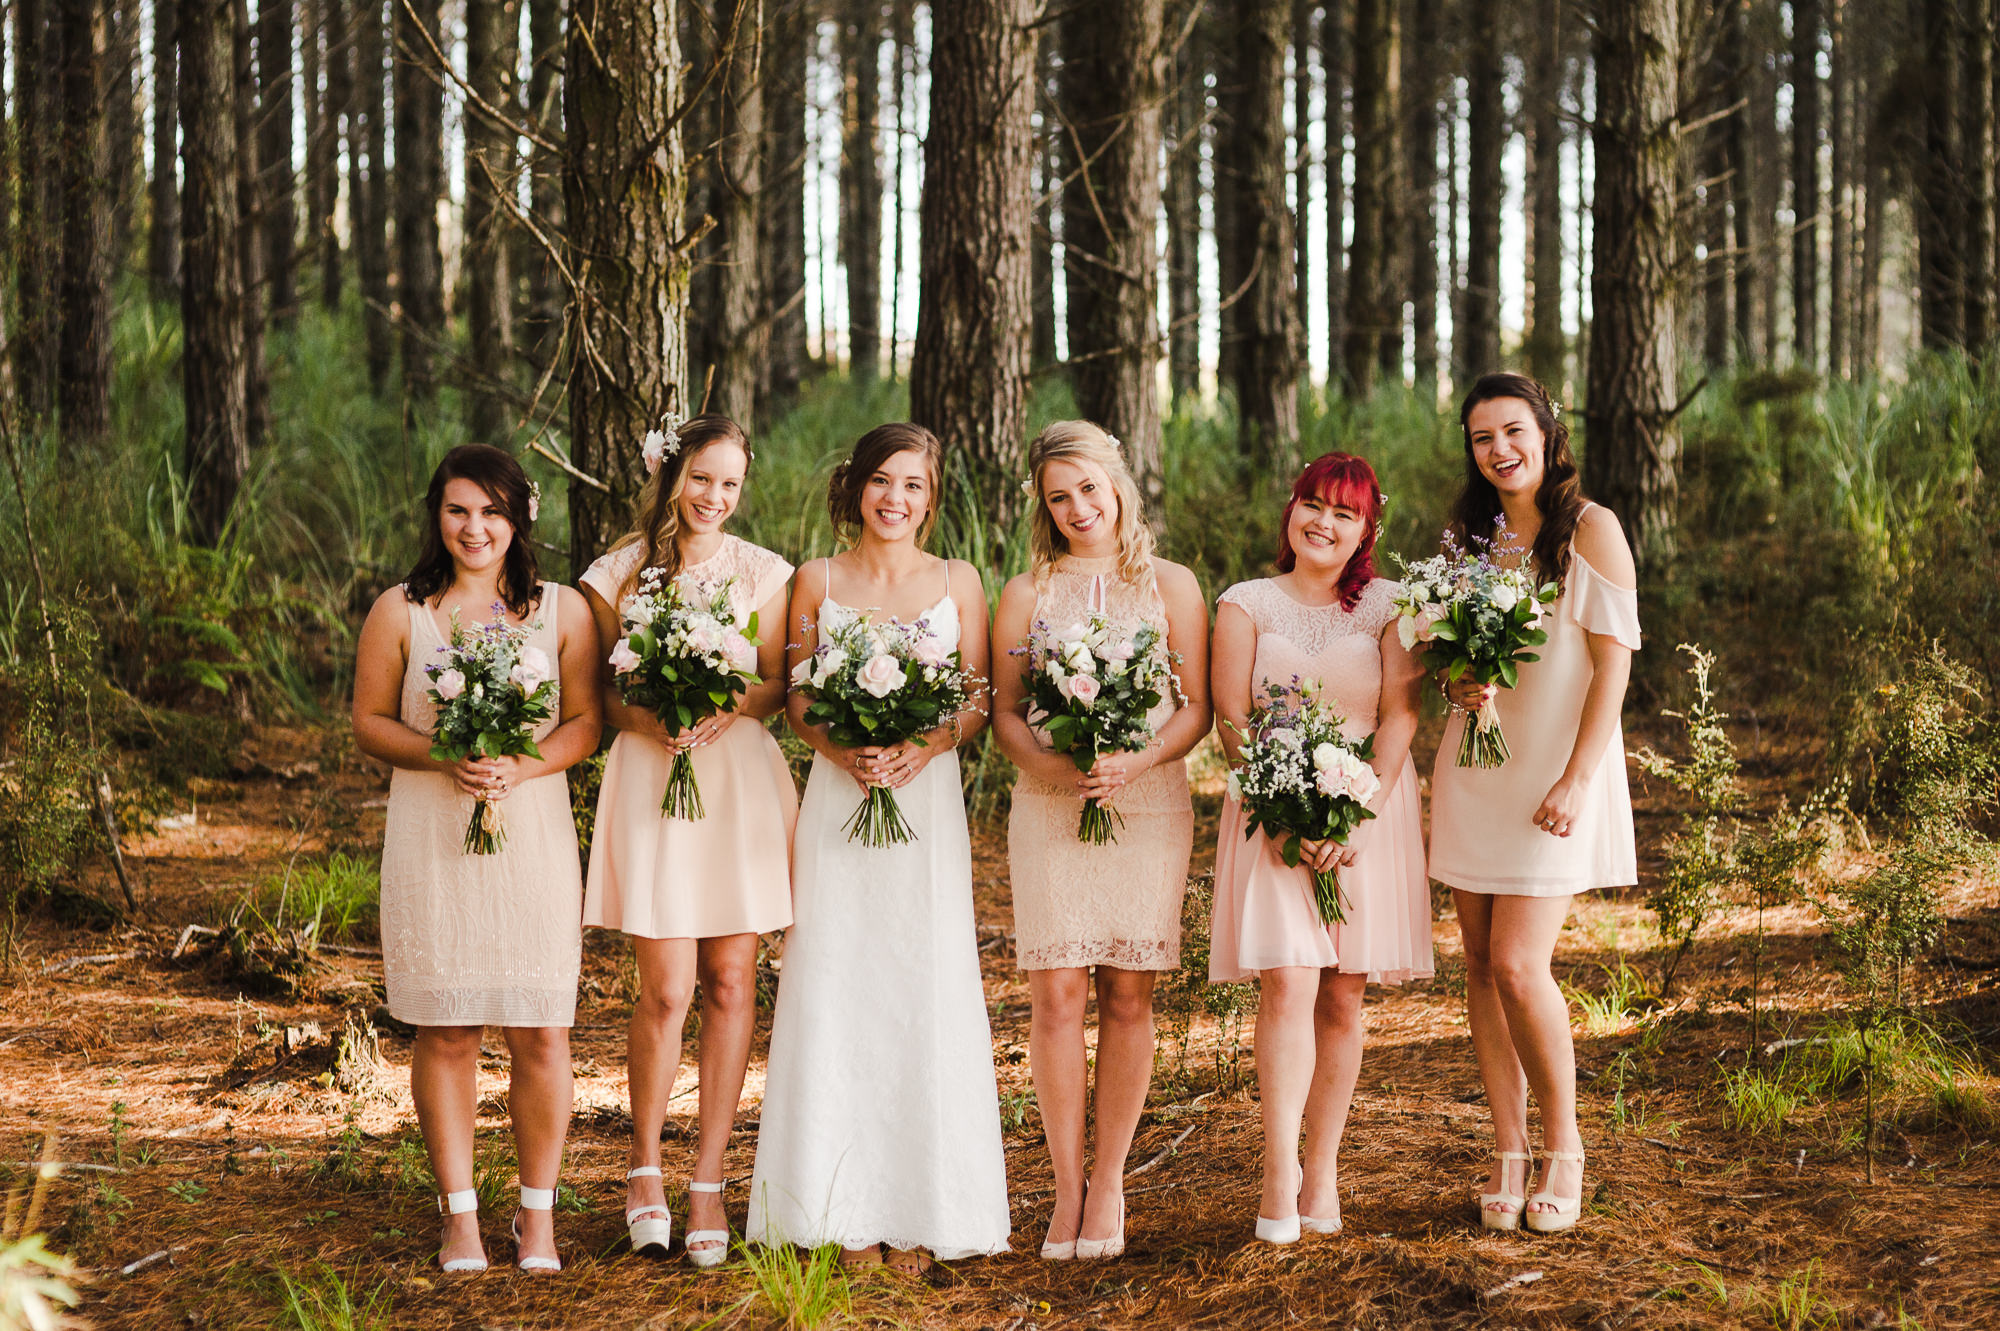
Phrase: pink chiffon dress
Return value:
(728, 872)
(1264, 913)
(1483, 836)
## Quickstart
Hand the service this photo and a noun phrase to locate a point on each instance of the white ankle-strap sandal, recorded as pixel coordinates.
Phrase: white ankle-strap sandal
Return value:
(459, 1203)
(534, 1199)
(651, 1228)
(707, 1247)
(1567, 1208)
(1489, 1216)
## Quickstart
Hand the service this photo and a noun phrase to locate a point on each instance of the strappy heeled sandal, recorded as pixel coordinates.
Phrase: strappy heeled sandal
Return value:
(459, 1203)
(651, 1228)
(1567, 1208)
(1489, 1216)
(533, 1199)
(713, 1247)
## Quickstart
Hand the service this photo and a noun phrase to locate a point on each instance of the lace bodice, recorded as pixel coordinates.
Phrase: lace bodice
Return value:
(1340, 648)
(1077, 588)
(430, 636)
(757, 573)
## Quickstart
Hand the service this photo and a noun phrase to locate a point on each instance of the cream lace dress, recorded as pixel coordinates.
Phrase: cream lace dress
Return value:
(473, 940)
(1117, 904)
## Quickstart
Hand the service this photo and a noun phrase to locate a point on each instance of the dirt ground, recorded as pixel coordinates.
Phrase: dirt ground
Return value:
(211, 1146)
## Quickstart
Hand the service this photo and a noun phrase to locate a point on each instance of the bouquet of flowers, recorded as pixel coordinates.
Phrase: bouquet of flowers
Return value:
(1476, 617)
(1298, 775)
(1089, 690)
(683, 658)
(491, 691)
(880, 684)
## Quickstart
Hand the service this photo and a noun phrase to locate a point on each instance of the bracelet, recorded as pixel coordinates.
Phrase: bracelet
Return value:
(957, 730)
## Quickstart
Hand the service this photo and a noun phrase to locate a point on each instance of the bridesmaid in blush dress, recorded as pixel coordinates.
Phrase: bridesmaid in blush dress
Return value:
(475, 940)
(692, 894)
(1325, 617)
(1115, 907)
(1516, 842)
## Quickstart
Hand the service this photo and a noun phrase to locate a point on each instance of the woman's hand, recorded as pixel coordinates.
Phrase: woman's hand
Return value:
(1468, 693)
(1559, 808)
(891, 766)
(1112, 772)
(490, 779)
(700, 735)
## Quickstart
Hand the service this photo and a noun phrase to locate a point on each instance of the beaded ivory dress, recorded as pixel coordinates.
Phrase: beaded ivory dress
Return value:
(881, 1115)
(1118, 904)
(1264, 912)
(1483, 837)
(473, 940)
(730, 871)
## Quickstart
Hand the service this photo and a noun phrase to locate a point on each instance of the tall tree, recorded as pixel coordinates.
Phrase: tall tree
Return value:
(1875, 153)
(37, 321)
(1303, 42)
(121, 124)
(1260, 327)
(1374, 315)
(545, 183)
(969, 372)
(1980, 321)
(1545, 341)
(1805, 181)
(272, 116)
(374, 192)
(902, 53)
(492, 54)
(217, 451)
(1712, 212)
(163, 238)
(1840, 209)
(1768, 172)
(419, 183)
(250, 248)
(1421, 92)
(1740, 86)
(1940, 213)
(337, 123)
(624, 184)
(1189, 100)
(861, 182)
(1635, 444)
(1475, 334)
(781, 223)
(739, 332)
(1113, 86)
(83, 371)
(1048, 191)
(1334, 61)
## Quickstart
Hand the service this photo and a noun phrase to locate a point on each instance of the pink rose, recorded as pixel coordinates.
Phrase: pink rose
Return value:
(930, 650)
(740, 651)
(881, 676)
(703, 640)
(623, 659)
(1084, 688)
(450, 684)
(1118, 651)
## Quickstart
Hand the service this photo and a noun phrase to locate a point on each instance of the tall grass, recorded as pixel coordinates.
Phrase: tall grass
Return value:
(319, 1299)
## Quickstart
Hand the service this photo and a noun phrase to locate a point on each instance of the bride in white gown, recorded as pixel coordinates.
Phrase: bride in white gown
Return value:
(881, 1121)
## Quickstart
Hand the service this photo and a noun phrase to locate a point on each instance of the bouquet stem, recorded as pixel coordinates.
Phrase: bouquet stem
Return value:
(683, 797)
(1097, 825)
(1482, 744)
(484, 833)
(1326, 896)
(879, 822)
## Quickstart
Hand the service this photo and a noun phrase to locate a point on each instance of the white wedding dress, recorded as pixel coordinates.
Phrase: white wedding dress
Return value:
(881, 1116)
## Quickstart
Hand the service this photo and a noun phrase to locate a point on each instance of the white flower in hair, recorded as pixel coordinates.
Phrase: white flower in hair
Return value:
(534, 500)
(1112, 439)
(661, 444)
(1028, 486)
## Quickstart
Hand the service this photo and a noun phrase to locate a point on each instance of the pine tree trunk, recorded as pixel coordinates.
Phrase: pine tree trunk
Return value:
(1183, 206)
(1302, 163)
(1876, 147)
(1477, 350)
(1261, 326)
(969, 372)
(250, 238)
(702, 50)
(1112, 87)
(217, 450)
(1714, 219)
(1422, 90)
(37, 321)
(1374, 316)
(1740, 85)
(1769, 173)
(1634, 444)
(419, 183)
(545, 185)
(1840, 206)
(1978, 134)
(492, 54)
(902, 57)
(374, 191)
(1805, 182)
(272, 117)
(1333, 59)
(163, 239)
(739, 333)
(1545, 342)
(7, 186)
(83, 382)
(1049, 153)
(121, 125)
(337, 124)
(625, 184)
(1939, 215)
(861, 185)
(781, 222)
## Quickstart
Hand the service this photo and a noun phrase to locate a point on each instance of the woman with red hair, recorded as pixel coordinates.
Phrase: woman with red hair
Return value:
(1325, 617)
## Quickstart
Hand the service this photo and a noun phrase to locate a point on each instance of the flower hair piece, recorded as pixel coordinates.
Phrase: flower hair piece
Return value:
(1112, 439)
(1028, 487)
(662, 443)
(534, 500)
(1555, 407)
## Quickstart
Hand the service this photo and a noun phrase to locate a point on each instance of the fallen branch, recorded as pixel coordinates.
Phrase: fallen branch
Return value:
(133, 1268)
(187, 936)
(1163, 1152)
(1512, 1282)
(95, 959)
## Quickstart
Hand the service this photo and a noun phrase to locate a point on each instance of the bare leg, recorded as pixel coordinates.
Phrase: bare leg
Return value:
(1124, 1071)
(1523, 943)
(444, 1082)
(728, 1016)
(653, 1054)
(539, 1095)
(1493, 1045)
(1284, 1078)
(1056, 1060)
(1338, 1033)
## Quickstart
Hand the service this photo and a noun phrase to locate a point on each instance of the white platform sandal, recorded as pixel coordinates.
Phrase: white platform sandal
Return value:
(1567, 1208)
(534, 1199)
(1489, 1217)
(651, 1228)
(459, 1203)
(707, 1247)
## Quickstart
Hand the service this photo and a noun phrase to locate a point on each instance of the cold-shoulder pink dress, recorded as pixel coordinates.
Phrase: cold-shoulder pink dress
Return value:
(1264, 913)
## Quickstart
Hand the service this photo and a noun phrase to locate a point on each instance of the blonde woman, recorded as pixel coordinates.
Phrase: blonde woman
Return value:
(692, 894)
(1115, 907)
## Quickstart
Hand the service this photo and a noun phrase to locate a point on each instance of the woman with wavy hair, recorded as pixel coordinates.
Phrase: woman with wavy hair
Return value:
(1113, 908)
(693, 895)
(475, 940)
(1516, 842)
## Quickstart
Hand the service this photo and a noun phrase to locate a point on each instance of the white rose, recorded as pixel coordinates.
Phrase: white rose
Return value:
(1327, 755)
(739, 650)
(881, 676)
(537, 660)
(1505, 597)
(703, 639)
(1406, 631)
(1057, 673)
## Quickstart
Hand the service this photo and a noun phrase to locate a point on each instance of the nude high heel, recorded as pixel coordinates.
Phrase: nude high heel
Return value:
(1503, 1220)
(1114, 1246)
(1567, 1208)
(651, 1228)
